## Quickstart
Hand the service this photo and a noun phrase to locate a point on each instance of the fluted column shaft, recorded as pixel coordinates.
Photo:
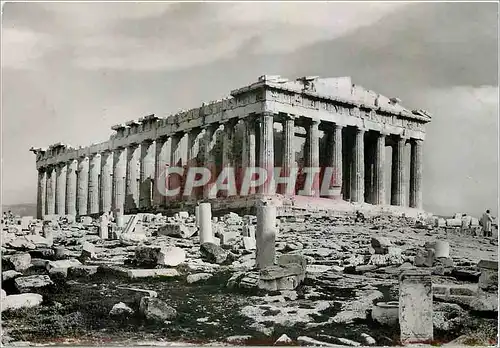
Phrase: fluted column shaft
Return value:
(334, 162)
(416, 174)
(106, 181)
(94, 175)
(288, 160)
(209, 158)
(61, 170)
(249, 147)
(174, 181)
(227, 150)
(379, 170)
(358, 173)
(147, 172)
(41, 193)
(119, 178)
(71, 187)
(266, 156)
(133, 173)
(51, 190)
(192, 145)
(82, 186)
(398, 173)
(162, 159)
(311, 187)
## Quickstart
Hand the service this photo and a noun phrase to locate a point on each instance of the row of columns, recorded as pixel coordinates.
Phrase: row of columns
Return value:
(125, 177)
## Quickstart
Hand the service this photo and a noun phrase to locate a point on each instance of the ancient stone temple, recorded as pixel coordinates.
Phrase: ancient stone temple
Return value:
(275, 122)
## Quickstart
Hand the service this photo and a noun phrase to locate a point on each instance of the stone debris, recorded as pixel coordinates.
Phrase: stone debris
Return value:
(32, 283)
(194, 278)
(17, 262)
(155, 309)
(26, 300)
(319, 272)
(121, 309)
(213, 253)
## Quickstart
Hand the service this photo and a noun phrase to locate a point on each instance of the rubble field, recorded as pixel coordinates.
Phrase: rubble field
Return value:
(152, 282)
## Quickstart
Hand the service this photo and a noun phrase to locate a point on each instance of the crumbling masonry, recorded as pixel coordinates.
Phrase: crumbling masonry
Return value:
(345, 127)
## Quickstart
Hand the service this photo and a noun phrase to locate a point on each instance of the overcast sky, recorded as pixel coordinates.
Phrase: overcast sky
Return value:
(70, 71)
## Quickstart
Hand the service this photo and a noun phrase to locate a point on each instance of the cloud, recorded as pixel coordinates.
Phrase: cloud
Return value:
(461, 149)
(160, 36)
(23, 48)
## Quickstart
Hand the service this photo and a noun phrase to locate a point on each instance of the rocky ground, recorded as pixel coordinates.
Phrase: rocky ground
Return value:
(156, 284)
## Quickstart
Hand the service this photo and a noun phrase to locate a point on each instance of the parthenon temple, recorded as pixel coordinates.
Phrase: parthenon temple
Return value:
(275, 122)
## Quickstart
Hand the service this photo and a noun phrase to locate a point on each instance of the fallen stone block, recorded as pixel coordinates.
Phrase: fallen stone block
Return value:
(147, 254)
(136, 294)
(7, 275)
(121, 309)
(17, 262)
(132, 238)
(178, 230)
(213, 253)
(286, 259)
(485, 302)
(26, 300)
(381, 245)
(32, 283)
(276, 278)
(88, 251)
(171, 256)
(155, 309)
(453, 222)
(424, 258)
(194, 278)
(308, 341)
(148, 273)
(227, 237)
(249, 243)
(21, 243)
(82, 271)
(63, 264)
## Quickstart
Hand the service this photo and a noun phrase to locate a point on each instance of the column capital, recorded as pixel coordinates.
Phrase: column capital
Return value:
(361, 129)
(212, 126)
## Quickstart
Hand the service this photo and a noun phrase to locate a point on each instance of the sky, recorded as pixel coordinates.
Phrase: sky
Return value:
(72, 70)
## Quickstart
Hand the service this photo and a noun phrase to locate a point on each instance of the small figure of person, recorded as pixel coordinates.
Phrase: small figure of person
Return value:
(486, 221)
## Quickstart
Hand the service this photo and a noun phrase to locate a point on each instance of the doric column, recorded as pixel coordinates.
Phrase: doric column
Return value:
(162, 159)
(336, 159)
(51, 190)
(249, 147)
(358, 172)
(133, 171)
(147, 173)
(312, 159)
(416, 174)
(41, 193)
(106, 181)
(192, 146)
(61, 172)
(334, 163)
(379, 170)
(209, 158)
(288, 161)
(174, 181)
(175, 148)
(71, 187)
(266, 156)
(398, 173)
(94, 176)
(227, 149)
(192, 153)
(82, 186)
(119, 178)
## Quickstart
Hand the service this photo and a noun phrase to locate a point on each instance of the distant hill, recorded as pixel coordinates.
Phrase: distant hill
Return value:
(23, 209)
